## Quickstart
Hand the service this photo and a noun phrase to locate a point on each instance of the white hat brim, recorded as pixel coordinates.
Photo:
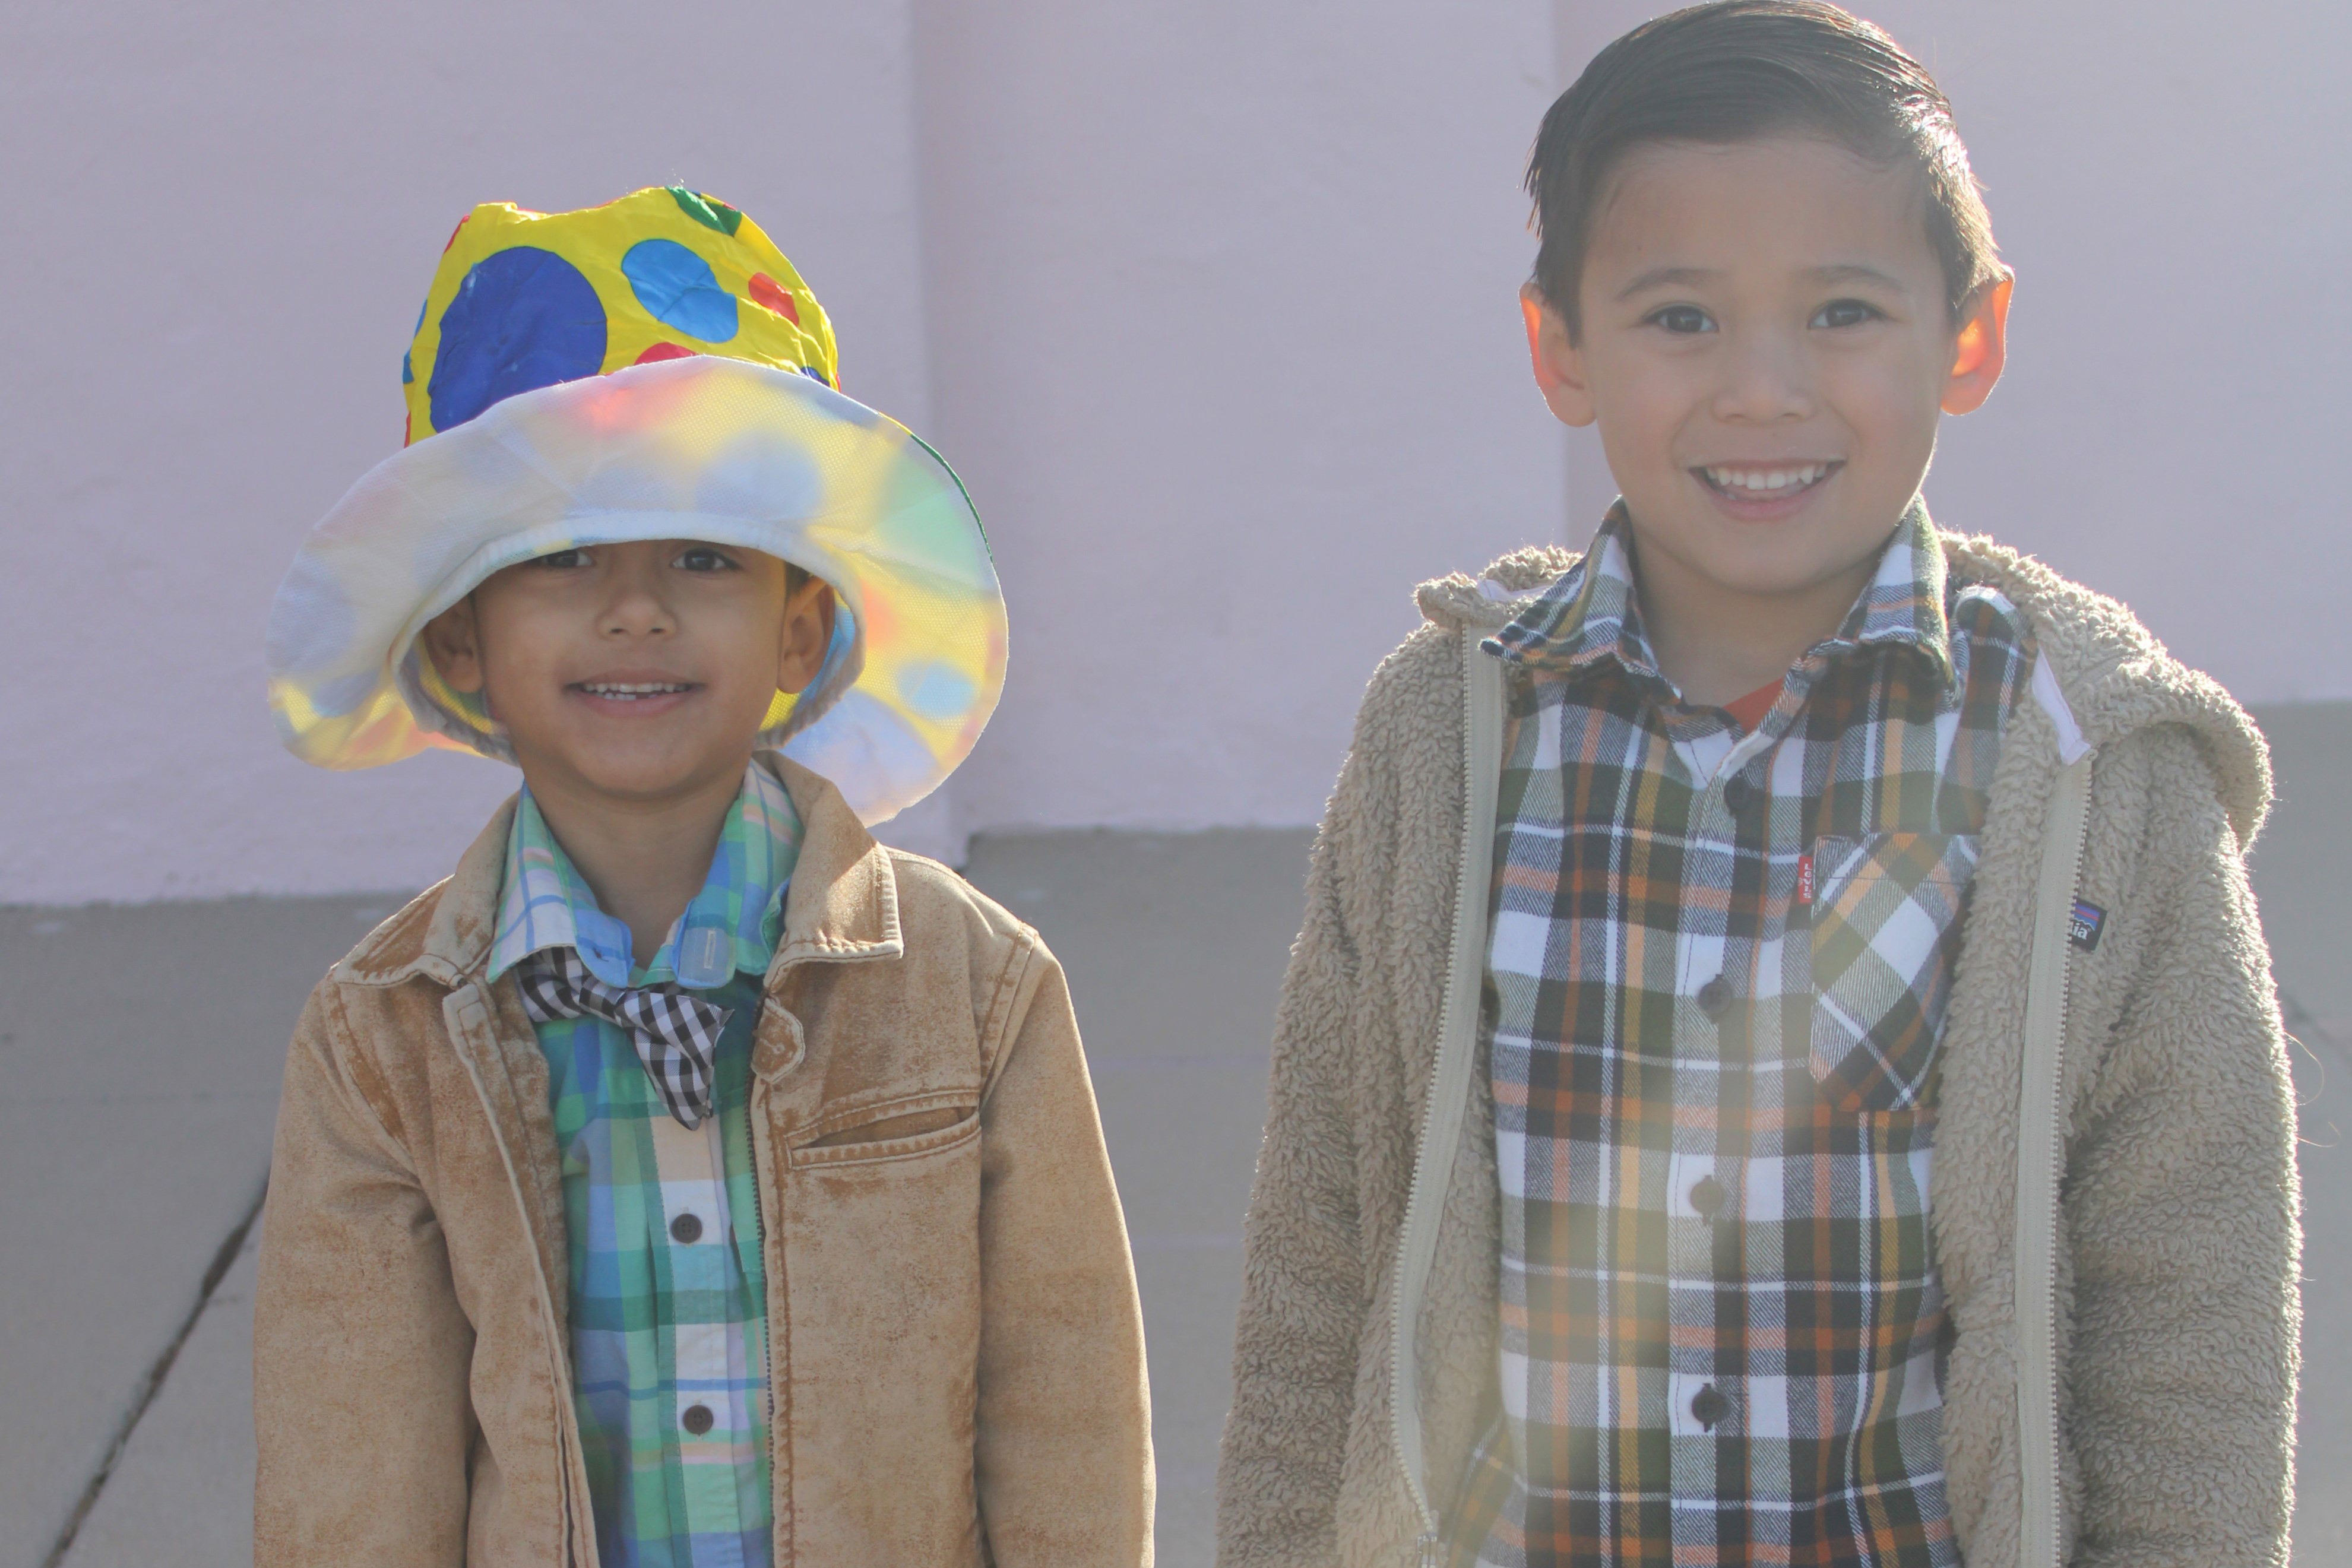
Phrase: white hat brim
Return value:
(703, 448)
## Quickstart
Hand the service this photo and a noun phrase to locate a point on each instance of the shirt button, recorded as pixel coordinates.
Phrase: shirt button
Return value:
(685, 1229)
(697, 1417)
(1708, 1406)
(1737, 795)
(1706, 1197)
(1714, 998)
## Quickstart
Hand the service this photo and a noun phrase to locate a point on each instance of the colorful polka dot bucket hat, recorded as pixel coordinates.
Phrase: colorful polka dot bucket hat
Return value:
(650, 369)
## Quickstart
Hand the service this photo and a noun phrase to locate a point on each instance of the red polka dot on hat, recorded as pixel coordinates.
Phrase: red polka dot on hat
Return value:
(765, 290)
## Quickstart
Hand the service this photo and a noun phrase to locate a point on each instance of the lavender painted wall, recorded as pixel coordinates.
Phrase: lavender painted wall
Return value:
(221, 221)
(1210, 303)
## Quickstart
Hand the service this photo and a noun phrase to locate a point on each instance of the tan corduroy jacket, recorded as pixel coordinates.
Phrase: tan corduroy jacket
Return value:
(2114, 1206)
(956, 1347)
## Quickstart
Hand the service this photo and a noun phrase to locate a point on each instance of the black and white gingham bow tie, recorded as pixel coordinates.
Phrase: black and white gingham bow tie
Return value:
(676, 1034)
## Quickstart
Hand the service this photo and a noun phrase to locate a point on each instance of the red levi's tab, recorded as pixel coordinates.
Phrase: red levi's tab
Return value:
(1804, 880)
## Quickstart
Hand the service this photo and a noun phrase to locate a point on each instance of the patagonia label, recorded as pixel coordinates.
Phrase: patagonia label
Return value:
(2084, 926)
(1805, 878)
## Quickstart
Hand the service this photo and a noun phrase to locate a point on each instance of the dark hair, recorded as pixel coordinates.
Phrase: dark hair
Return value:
(1738, 70)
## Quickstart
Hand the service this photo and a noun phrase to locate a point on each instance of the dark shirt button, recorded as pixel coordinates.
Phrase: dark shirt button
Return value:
(1737, 796)
(1714, 998)
(697, 1418)
(685, 1229)
(1708, 1405)
(1706, 1197)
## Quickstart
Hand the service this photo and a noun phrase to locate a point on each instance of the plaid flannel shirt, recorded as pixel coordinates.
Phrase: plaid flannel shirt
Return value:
(1718, 967)
(669, 1287)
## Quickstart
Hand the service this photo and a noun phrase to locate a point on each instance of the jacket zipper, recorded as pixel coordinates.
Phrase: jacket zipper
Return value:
(1397, 1393)
(1466, 892)
(2057, 1176)
(771, 1280)
(2039, 1533)
(768, 1336)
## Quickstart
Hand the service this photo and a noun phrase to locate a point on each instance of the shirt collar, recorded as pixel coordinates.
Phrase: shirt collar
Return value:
(1593, 613)
(732, 924)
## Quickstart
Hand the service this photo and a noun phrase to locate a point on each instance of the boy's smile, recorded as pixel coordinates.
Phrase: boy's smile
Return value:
(1765, 493)
(1766, 345)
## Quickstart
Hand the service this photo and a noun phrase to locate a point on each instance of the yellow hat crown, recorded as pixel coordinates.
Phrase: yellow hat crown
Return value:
(523, 300)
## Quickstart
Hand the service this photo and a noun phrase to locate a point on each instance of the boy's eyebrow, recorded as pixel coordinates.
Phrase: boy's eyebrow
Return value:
(1665, 276)
(1821, 277)
(1854, 272)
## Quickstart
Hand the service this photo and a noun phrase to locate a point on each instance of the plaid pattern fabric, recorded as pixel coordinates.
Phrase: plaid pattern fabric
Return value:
(668, 1284)
(1717, 967)
(733, 924)
(675, 1033)
(1882, 921)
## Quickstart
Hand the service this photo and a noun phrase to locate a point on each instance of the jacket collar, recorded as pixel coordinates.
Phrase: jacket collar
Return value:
(843, 905)
(843, 901)
(2107, 671)
(1592, 613)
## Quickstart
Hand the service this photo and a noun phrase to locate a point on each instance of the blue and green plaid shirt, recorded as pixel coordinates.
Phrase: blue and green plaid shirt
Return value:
(669, 1287)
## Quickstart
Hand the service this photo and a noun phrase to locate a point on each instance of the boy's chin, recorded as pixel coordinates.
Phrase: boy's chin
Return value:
(1769, 560)
(640, 775)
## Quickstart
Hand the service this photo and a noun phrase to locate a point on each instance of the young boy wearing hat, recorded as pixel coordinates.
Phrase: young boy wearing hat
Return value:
(1781, 1064)
(687, 1179)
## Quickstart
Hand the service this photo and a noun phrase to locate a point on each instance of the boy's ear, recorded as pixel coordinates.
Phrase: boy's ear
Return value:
(1559, 366)
(1981, 349)
(808, 633)
(453, 641)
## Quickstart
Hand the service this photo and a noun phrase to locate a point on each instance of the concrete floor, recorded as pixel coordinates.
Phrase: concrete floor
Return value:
(135, 1111)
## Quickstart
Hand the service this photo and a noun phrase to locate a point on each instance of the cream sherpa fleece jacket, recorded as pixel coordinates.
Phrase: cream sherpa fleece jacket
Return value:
(2172, 1287)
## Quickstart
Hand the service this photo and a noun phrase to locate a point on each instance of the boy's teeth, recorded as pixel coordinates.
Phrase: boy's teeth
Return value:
(637, 689)
(1766, 479)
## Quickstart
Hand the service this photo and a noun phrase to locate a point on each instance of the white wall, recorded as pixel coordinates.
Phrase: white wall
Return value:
(220, 221)
(1210, 303)
(1225, 339)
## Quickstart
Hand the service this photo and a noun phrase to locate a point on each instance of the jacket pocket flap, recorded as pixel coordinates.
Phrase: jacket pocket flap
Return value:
(906, 1126)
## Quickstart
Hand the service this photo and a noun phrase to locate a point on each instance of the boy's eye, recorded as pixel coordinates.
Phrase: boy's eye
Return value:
(1682, 319)
(703, 558)
(563, 559)
(1845, 313)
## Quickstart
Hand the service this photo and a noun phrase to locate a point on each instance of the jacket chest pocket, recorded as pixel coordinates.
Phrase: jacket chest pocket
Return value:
(898, 1129)
(1885, 924)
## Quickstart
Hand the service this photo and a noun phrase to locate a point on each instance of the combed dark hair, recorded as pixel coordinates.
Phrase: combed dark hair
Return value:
(1739, 71)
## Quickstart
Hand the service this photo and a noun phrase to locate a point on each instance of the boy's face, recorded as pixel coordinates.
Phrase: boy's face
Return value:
(1765, 346)
(634, 673)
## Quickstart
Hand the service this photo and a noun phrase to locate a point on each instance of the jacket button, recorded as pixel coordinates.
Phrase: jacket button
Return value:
(1708, 1406)
(1714, 998)
(697, 1418)
(1706, 1197)
(1737, 795)
(685, 1229)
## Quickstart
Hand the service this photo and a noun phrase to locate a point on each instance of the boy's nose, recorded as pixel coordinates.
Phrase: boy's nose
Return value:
(1765, 382)
(637, 613)
(636, 606)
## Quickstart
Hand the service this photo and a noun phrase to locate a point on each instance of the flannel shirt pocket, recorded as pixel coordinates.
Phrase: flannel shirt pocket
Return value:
(1886, 923)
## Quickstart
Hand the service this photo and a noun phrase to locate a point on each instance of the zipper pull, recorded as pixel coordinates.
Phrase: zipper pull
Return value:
(1429, 1555)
